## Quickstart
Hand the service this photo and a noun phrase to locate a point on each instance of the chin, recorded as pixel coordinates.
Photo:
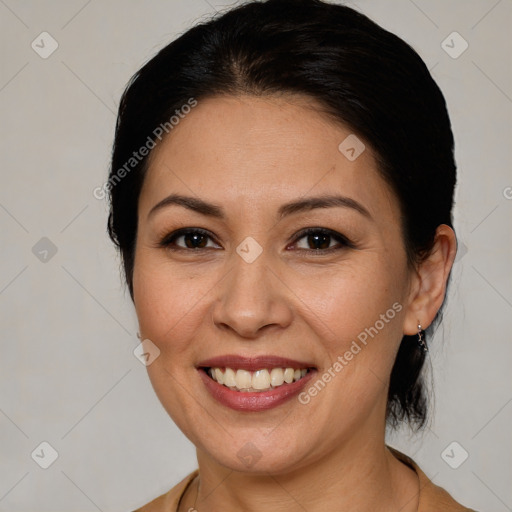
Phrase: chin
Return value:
(255, 454)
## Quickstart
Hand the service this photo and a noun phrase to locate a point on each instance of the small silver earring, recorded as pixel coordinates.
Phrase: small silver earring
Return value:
(421, 339)
(138, 336)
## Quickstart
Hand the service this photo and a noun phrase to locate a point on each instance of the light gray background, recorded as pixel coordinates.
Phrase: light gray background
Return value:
(68, 329)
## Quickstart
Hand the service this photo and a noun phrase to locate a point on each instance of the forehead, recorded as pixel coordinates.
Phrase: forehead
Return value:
(263, 151)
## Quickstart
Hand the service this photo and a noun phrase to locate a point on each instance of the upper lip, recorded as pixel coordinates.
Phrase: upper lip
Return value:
(252, 364)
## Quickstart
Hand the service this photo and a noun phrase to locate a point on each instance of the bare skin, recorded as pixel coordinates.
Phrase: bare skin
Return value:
(250, 156)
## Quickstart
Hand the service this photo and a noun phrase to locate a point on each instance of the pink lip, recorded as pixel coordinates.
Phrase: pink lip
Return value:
(259, 400)
(252, 364)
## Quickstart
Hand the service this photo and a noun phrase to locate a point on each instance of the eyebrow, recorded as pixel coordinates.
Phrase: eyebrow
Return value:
(301, 205)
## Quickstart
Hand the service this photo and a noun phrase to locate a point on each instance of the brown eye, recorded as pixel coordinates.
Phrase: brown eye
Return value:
(318, 240)
(195, 240)
(192, 239)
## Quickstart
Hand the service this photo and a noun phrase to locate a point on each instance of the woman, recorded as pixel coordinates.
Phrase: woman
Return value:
(281, 193)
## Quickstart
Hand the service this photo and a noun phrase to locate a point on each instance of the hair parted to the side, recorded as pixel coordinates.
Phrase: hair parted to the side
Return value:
(362, 75)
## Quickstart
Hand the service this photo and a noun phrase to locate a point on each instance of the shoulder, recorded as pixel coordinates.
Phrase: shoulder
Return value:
(168, 502)
(432, 497)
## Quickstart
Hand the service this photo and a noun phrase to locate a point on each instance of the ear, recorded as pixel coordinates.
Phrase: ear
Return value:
(428, 284)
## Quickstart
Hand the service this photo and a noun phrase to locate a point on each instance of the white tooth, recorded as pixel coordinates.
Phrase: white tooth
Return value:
(288, 375)
(276, 377)
(261, 379)
(229, 378)
(219, 376)
(243, 379)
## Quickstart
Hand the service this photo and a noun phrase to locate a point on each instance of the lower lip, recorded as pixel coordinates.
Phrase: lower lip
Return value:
(254, 401)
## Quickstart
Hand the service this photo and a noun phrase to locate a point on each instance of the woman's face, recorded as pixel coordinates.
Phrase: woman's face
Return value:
(251, 288)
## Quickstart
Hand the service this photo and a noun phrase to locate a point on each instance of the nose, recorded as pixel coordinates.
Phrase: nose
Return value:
(251, 299)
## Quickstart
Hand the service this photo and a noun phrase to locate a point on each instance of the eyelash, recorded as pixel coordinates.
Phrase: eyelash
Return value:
(168, 241)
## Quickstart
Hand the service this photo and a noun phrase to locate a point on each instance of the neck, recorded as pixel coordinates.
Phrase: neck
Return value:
(361, 475)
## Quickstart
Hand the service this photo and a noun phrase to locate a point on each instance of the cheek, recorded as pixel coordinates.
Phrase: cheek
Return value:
(173, 306)
(358, 316)
(348, 300)
(169, 308)
(167, 301)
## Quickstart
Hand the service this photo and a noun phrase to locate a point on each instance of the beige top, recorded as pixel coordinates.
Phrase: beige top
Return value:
(432, 497)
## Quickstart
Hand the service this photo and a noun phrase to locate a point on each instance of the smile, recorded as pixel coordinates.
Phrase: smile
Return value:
(254, 384)
(258, 381)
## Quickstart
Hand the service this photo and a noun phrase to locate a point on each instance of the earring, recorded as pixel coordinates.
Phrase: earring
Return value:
(421, 339)
(138, 336)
